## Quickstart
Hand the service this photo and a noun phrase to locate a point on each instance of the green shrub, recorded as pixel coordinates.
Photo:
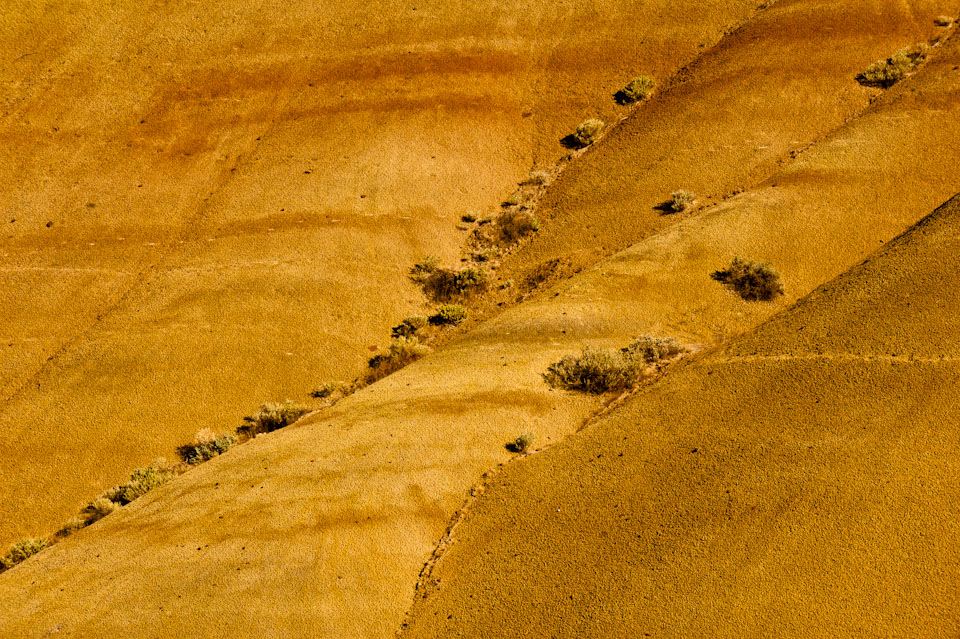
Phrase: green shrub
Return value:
(601, 371)
(449, 314)
(21, 551)
(588, 131)
(637, 89)
(409, 327)
(205, 446)
(886, 73)
(424, 268)
(681, 200)
(401, 352)
(272, 416)
(513, 225)
(444, 284)
(522, 443)
(752, 281)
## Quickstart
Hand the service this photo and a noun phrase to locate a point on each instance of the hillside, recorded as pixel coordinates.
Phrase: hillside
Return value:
(209, 207)
(323, 528)
(801, 481)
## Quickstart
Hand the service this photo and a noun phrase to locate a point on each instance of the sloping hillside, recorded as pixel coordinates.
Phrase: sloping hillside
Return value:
(317, 525)
(801, 482)
(207, 207)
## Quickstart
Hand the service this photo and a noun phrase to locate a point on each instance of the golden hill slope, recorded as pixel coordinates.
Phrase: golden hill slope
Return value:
(725, 124)
(207, 207)
(801, 482)
(320, 524)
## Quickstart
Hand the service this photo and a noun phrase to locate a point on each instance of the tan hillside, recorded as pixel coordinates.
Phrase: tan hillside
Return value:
(800, 482)
(208, 206)
(318, 525)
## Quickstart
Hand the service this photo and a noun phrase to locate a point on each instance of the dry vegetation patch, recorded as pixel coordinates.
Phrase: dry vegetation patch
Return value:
(753, 281)
(272, 416)
(22, 551)
(886, 73)
(600, 371)
(401, 352)
(636, 90)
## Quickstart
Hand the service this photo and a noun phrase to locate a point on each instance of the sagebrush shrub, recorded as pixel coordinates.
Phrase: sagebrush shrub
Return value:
(401, 352)
(637, 89)
(886, 73)
(522, 443)
(515, 199)
(513, 225)
(588, 131)
(444, 285)
(99, 508)
(424, 268)
(601, 371)
(449, 314)
(21, 551)
(272, 416)
(681, 200)
(538, 178)
(753, 281)
(206, 446)
(142, 481)
(409, 327)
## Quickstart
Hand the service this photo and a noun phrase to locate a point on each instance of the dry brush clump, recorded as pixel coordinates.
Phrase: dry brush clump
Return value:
(444, 284)
(600, 370)
(272, 416)
(636, 90)
(587, 132)
(409, 327)
(521, 444)
(205, 446)
(401, 352)
(753, 281)
(449, 314)
(327, 389)
(681, 200)
(21, 551)
(515, 225)
(886, 73)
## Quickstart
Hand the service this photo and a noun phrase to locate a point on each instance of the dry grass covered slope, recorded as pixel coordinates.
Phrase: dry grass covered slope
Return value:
(203, 205)
(802, 481)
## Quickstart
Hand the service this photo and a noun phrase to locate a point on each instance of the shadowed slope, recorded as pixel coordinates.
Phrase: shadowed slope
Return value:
(801, 482)
(207, 207)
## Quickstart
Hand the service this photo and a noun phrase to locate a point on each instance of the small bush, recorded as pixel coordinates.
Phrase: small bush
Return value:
(943, 21)
(206, 446)
(409, 327)
(272, 416)
(515, 198)
(470, 217)
(449, 314)
(886, 73)
(538, 178)
(99, 508)
(588, 131)
(73, 525)
(401, 352)
(750, 280)
(22, 551)
(329, 388)
(142, 481)
(601, 371)
(485, 254)
(444, 284)
(521, 444)
(681, 200)
(513, 225)
(424, 268)
(637, 89)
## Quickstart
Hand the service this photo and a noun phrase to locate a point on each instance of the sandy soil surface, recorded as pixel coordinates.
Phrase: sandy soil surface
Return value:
(207, 207)
(800, 482)
(320, 524)
(725, 124)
